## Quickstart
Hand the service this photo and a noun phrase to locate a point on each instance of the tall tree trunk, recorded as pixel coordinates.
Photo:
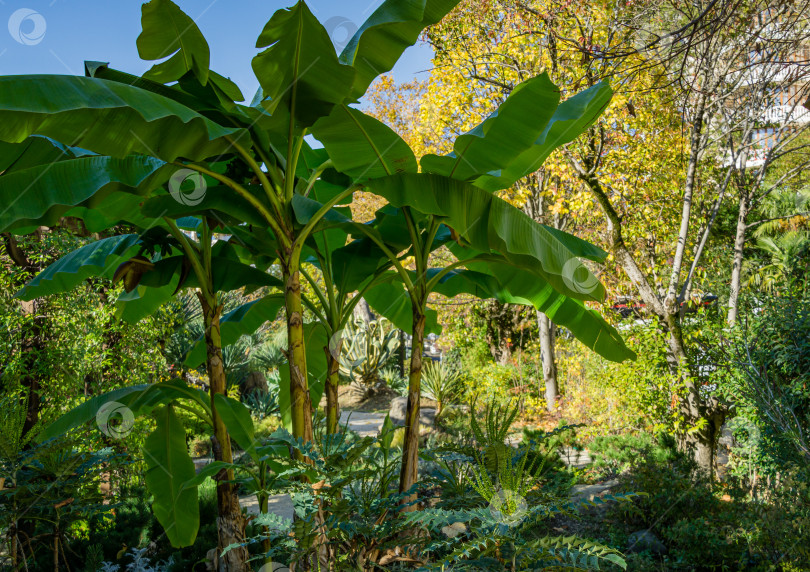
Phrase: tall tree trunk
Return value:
(300, 401)
(230, 523)
(547, 340)
(736, 265)
(410, 449)
(332, 381)
(362, 311)
(703, 442)
(401, 353)
(32, 340)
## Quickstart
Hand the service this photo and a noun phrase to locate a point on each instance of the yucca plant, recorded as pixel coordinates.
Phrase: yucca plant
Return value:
(440, 383)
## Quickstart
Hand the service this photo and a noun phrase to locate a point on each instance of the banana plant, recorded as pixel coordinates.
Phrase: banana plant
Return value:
(138, 134)
(451, 202)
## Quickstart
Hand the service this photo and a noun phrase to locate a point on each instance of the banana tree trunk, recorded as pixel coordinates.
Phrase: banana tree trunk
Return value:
(332, 380)
(300, 402)
(230, 523)
(410, 450)
(547, 340)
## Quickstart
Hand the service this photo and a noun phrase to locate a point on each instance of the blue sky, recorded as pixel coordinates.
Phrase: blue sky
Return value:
(57, 36)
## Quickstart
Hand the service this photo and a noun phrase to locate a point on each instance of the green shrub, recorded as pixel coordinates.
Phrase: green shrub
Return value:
(491, 383)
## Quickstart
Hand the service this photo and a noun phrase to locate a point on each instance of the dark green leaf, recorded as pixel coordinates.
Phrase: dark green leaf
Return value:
(99, 258)
(388, 32)
(490, 224)
(361, 146)
(511, 129)
(571, 118)
(168, 467)
(42, 194)
(300, 71)
(106, 117)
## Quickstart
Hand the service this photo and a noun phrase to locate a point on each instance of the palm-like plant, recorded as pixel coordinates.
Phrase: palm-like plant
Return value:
(440, 383)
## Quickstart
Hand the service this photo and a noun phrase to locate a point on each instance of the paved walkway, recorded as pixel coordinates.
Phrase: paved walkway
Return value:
(364, 424)
(281, 505)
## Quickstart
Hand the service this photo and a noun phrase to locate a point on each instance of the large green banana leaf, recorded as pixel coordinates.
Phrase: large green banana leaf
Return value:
(504, 135)
(299, 72)
(490, 224)
(361, 146)
(388, 32)
(41, 194)
(518, 137)
(99, 258)
(106, 117)
(115, 208)
(34, 151)
(168, 467)
(168, 31)
(493, 278)
(572, 118)
(140, 399)
(219, 202)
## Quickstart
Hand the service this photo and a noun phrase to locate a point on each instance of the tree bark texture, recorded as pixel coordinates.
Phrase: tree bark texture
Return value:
(230, 523)
(737, 261)
(410, 450)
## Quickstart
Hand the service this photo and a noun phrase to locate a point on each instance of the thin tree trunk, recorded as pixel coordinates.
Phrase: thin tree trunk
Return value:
(410, 449)
(230, 523)
(671, 301)
(693, 408)
(736, 265)
(547, 341)
(332, 381)
(401, 353)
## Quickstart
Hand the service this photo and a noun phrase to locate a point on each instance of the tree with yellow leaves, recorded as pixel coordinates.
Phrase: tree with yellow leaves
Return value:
(638, 164)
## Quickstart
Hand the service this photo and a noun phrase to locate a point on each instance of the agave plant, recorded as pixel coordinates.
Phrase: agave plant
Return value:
(367, 347)
(440, 383)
